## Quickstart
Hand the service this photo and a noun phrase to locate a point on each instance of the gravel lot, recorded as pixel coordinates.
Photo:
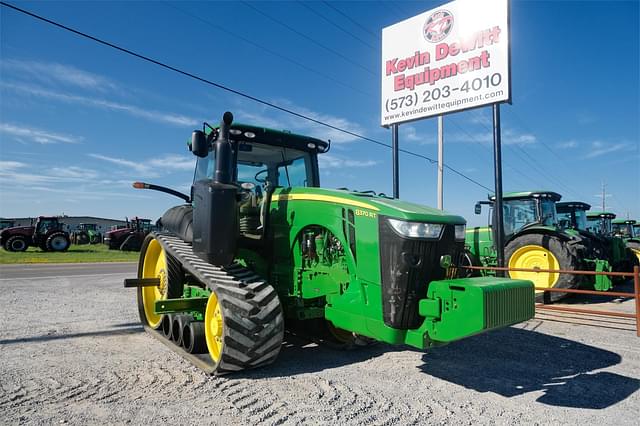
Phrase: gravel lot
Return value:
(72, 351)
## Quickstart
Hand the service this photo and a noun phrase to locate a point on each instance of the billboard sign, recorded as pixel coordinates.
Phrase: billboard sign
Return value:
(447, 59)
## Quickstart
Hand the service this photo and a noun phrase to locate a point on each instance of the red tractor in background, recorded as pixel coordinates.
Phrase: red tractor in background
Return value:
(130, 237)
(48, 234)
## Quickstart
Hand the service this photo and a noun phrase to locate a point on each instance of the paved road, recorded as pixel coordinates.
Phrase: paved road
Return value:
(65, 270)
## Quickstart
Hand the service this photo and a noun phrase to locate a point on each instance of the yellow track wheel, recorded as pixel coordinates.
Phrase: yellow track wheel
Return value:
(155, 266)
(533, 256)
(214, 327)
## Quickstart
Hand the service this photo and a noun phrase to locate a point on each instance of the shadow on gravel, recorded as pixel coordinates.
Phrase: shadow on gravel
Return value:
(512, 362)
(300, 356)
(53, 336)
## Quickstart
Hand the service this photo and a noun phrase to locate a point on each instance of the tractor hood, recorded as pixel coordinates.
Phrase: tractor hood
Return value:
(18, 230)
(370, 203)
(116, 232)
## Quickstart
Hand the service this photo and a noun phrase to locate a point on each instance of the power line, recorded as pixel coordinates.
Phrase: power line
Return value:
(317, 43)
(353, 21)
(228, 89)
(266, 49)
(344, 30)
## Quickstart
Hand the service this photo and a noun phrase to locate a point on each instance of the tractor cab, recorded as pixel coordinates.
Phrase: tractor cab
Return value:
(88, 227)
(599, 223)
(45, 225)
(572, 215)
(266, 161)
(141, 225)
(623, 228)
(524, 209)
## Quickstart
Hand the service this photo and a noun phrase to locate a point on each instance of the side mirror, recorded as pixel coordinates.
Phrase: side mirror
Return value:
(478, 208)
(199, 145)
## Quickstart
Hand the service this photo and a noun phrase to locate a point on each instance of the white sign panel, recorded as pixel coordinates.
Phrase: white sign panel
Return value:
(447, 59)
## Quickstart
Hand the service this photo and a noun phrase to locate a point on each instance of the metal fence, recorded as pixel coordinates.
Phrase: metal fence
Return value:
(544, 306)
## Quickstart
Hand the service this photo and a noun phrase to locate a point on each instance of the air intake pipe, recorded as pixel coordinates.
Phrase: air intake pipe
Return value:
(215, 211)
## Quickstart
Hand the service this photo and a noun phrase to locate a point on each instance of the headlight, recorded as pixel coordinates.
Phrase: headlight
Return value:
(416, 229)
(460, 230)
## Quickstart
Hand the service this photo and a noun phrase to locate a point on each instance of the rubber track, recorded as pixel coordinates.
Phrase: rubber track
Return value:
(254, 322)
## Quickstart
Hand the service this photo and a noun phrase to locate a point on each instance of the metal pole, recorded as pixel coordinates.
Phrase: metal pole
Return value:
(440, 161)
(636, 290)
(394, 150)
(498, 228)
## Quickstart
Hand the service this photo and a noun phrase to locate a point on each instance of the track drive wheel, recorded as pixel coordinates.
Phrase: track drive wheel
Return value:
(16, 243)
(544, 252)
(58, 241)
(244, 326)
(156, 263)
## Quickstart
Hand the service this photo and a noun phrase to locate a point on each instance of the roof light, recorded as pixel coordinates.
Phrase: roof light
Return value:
(311, 145)
(235, 131)
(249, 135)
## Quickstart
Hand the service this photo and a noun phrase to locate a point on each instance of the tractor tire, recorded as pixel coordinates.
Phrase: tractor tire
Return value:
(155, 262)
(82, 238)
(544, 252)
(131, 243)
(468, 259)
(58, 241)
(16, 243)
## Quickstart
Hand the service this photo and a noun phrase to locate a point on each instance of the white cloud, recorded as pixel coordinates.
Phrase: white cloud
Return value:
(54, 72)
(567, 145)
(11, 165)
(410, 134)
(328, 161)
(285, 121)
(174, 162)
(599, 148)
(37, 135)
(152, 167)
(158, 116)
(511, 137)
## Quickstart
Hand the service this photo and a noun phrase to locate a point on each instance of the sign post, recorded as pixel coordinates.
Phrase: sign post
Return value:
(440, 162)
(498, 226)
(395, 160)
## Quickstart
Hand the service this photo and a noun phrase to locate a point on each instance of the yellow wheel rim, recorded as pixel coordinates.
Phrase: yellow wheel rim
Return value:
(530, 257)
(214, 327)
(637, 253)
(155, 266)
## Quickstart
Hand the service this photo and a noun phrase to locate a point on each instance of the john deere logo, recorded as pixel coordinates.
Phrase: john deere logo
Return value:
(438, 26)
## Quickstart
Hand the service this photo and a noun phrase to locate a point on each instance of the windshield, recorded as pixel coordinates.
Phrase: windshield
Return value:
(581, 219)
(518, 213)
(261, 163)
(599, 225)
(625, 230)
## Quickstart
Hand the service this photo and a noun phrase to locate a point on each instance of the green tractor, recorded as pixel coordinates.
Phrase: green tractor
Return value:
(628, 230)
(86, 233)
(533, 239)
(259, 247)
(598, 226)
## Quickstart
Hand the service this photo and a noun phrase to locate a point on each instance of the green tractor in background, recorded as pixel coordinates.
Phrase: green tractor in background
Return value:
(533, 239)
(598, 226)
(629, 231)
(259, 247)
(86, 233)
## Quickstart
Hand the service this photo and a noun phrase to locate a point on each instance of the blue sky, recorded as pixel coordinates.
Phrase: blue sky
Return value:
(79, 122)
